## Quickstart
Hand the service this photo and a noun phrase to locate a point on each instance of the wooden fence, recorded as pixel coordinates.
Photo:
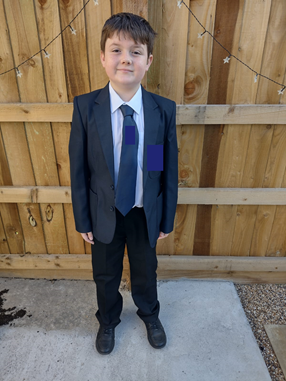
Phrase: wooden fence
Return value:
(231, 134)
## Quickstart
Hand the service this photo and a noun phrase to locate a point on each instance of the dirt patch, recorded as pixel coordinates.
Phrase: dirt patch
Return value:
(6, 318)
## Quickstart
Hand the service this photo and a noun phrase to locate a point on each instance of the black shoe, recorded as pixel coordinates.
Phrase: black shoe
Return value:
(156, 334)
(105, 340)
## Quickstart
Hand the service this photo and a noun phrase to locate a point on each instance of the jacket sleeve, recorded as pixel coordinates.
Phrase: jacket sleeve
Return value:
(79, 172)
(170, 178)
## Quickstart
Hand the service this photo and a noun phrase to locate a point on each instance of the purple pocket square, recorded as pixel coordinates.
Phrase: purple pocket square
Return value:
(155, 157)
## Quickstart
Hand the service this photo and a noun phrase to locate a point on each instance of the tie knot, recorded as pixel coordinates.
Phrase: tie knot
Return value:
(126, 110)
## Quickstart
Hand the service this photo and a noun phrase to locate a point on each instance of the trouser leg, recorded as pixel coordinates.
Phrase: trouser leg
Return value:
(107, 264)
(143, 266)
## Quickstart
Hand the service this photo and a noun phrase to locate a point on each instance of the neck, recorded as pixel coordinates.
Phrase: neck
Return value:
(126, 94)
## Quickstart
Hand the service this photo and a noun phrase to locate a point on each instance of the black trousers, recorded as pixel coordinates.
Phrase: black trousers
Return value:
(107, 264)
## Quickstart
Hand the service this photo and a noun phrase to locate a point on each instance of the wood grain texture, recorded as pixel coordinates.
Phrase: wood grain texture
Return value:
(238, 270)
(24, 40)
(235, 142)
(16, 166)
(48, 19)
(240, 114)
(225, 22)
(191, 136)
(265, 161)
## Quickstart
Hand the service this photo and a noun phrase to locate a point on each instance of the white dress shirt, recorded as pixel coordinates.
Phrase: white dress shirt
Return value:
(117, 122)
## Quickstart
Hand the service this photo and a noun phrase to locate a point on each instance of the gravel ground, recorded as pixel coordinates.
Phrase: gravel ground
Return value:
(264, 304)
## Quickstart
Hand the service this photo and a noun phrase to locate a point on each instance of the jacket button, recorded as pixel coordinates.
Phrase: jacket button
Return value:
(112, 186)
(111, 208)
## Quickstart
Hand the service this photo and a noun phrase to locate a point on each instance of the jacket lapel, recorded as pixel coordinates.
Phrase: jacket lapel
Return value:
(102, 114)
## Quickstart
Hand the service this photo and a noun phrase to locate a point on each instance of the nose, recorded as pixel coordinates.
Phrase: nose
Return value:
(126, 59)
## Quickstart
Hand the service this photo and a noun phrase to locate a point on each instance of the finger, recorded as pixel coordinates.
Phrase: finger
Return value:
(90, 237)
(86, 238)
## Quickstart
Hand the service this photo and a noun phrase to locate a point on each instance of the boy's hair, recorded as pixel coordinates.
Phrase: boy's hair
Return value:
(135, 26)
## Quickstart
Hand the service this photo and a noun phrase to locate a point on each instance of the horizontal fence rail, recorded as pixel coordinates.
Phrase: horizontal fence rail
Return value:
(186, 114)
(204, 196)
(78, 266)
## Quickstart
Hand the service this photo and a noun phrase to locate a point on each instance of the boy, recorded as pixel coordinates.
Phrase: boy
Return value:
(124, 176)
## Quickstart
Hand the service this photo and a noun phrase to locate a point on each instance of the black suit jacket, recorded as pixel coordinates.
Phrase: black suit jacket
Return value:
(92, 165)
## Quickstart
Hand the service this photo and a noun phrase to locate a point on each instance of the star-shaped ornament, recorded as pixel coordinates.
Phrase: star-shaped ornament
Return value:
(19, 74)
(200, 35)
(255, 78)
(179, 3)
(226, 60)
(281, 91)
(95, 2)
(47, 55)
(73, 30)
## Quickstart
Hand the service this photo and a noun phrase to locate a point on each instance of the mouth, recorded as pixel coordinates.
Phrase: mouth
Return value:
(125, 70)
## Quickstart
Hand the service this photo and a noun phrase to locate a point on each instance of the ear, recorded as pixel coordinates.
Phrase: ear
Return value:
(150, 59)
(102, 58)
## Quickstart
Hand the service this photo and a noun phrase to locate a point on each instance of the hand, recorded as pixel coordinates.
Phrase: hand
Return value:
(162, 235)
(88, 237)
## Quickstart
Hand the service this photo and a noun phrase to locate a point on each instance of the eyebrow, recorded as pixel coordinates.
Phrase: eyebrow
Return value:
(136, 45)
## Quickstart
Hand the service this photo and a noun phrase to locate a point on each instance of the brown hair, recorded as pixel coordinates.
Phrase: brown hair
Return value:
(135, 26)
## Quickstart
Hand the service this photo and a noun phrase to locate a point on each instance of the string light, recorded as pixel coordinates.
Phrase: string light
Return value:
(72, 30)
(47, 55)
(200, 35)
(226, 60)
(19, 74)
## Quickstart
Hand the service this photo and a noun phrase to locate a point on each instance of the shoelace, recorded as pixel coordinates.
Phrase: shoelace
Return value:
(154, 325)
(108, 330)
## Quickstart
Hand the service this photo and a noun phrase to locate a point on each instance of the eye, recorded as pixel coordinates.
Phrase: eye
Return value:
(117, 50)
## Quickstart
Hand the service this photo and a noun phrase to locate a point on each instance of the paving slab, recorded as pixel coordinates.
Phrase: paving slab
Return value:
(277, 337)
(208, 335)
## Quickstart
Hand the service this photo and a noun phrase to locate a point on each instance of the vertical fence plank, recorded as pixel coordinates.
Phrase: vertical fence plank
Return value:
(76, 64)
(173, 47)
(225, 23)
(95, 18)
(197, 77)
(266, 238)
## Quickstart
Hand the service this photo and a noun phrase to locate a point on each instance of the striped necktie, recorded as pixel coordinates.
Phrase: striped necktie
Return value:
(126, 183)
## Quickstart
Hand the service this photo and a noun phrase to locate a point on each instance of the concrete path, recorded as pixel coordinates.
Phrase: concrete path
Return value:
(208, 335)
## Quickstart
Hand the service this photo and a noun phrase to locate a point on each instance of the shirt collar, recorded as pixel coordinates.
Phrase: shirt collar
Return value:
(115, 100)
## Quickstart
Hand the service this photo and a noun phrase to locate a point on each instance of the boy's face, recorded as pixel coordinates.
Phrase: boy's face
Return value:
(125, 63)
